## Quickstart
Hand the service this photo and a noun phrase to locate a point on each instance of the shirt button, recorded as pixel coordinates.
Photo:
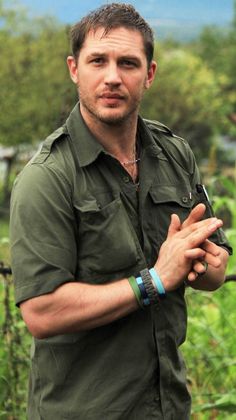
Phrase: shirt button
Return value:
(126, 179)
(185, 199)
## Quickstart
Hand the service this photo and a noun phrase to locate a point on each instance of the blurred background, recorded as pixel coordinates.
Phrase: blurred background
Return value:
(194, 94)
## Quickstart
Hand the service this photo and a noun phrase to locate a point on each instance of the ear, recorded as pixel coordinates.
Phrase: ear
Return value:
(151, 74)
(73, 69)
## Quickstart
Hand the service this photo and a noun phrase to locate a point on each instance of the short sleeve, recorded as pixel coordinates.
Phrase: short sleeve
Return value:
(42, 232)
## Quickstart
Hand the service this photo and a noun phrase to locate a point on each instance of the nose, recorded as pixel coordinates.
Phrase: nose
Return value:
(112, 75)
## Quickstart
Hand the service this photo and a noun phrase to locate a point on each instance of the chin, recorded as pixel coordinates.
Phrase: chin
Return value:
(114, 118)
(110, 116)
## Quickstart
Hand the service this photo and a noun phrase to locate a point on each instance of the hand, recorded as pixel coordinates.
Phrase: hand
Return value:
(212, 250)
(183, 245)
(212, 257)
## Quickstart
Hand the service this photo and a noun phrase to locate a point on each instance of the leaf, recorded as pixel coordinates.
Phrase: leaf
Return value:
(226, 403)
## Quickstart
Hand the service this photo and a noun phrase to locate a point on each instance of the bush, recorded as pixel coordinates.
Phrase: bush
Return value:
(210, 348)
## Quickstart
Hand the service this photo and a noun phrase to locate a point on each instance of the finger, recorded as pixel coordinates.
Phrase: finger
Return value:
(211, 248)
(194, 254)
(174, 226)
(196, 215)
(192, 276)
(200, 267)
(197, 233)
(212, 260)
(188, 230)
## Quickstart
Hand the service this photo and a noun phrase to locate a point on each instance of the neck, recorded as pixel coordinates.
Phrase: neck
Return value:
(117, 139)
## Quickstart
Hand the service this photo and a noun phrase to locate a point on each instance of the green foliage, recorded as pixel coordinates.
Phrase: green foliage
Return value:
(4, 241)
(194, 91)
(35, 89)
(217, 50)
(14, 344)
(210, 349)
(14, 356)
(224, 199)
(186, 97)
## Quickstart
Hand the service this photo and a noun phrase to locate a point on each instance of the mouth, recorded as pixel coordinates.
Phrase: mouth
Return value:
(111, 100)
(111, 96)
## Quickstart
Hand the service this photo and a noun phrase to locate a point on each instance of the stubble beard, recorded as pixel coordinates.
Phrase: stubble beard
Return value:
(110, 119)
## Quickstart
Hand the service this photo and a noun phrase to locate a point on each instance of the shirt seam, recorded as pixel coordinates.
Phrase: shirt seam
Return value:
(52, 168)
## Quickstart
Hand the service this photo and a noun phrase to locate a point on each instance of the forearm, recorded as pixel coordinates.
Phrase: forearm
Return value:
(76, 306)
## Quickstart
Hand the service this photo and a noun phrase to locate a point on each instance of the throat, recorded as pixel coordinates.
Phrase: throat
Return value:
(132, 168)
(132, 165)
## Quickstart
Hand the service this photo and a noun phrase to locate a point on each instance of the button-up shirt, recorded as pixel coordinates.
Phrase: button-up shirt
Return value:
(76, 215)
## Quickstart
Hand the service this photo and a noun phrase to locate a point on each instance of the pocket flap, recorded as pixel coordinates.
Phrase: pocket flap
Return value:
(171, 193)
(87, 205)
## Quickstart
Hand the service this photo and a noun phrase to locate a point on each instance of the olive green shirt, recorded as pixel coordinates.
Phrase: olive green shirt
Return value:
(76, 215)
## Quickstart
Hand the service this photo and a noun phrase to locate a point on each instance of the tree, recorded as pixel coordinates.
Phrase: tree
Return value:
(186, 97)
(35, 90)
(216, 47)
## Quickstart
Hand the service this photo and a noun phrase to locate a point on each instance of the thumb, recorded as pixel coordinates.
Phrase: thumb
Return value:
(196, 215)
(175, 225)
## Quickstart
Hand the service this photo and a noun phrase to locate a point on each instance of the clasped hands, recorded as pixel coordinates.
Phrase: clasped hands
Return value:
(187, 249)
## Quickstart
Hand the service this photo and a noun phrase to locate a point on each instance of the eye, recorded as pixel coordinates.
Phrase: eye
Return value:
(97, 60)
(128, 63)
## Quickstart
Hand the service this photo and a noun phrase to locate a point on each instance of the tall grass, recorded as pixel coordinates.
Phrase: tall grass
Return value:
(14, 344)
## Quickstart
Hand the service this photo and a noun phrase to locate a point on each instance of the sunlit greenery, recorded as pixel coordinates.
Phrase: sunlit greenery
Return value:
(210, 348)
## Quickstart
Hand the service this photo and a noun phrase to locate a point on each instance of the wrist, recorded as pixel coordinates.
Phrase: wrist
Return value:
(147, 288)
(157, 282)
(164, 276)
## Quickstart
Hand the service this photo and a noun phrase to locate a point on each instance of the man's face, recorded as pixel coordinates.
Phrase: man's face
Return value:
(111, 74)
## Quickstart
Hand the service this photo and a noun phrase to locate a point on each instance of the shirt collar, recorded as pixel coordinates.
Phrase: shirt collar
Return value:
(147, 140)
(86, 145)
(88, 148)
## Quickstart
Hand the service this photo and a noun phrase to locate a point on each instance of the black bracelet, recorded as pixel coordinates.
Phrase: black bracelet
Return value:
(150, 289)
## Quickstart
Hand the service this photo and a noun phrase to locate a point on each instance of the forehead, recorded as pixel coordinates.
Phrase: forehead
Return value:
(120, 40)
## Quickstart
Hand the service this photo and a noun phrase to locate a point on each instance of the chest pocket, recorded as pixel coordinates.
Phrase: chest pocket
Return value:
(107, 241)
(167, 200)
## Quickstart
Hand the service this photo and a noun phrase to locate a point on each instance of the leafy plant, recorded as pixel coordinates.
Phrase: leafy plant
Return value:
(14, 356)
(14, 344)
(210, 349)
(224, 203)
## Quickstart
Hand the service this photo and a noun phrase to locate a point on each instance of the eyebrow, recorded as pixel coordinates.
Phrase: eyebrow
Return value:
(121, 57)
(96, 54)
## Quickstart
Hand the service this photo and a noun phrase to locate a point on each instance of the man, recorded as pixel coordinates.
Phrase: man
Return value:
(111, 196)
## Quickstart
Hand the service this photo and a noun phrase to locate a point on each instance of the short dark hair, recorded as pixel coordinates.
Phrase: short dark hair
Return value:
(112, 16)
